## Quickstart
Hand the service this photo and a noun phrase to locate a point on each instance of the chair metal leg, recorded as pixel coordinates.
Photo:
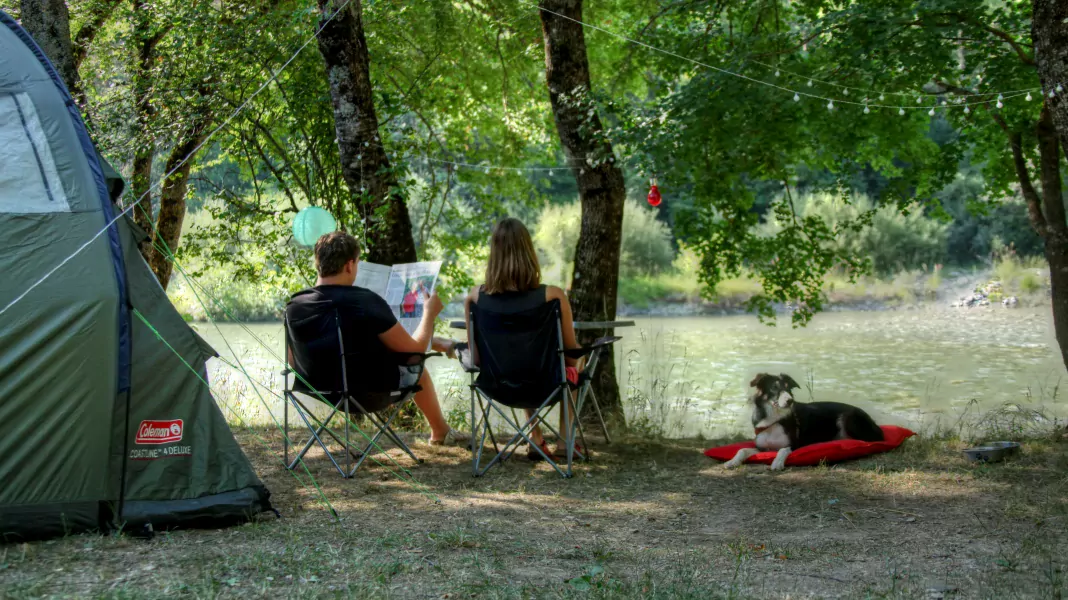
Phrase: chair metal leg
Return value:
(600, 417)
(522, 435)
(393, 435)
(568, 433)
(315, 432)
(285, 428)
(347, 423)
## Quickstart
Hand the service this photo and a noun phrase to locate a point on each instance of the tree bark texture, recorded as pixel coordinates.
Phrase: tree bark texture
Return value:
(48, 21)
(601, 186)
(145, 149)
(1056, 239)
(168, 231)
(1049, 32)
(379, 203)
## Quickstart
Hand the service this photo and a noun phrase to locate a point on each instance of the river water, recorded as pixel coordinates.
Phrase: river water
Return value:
(689, 376)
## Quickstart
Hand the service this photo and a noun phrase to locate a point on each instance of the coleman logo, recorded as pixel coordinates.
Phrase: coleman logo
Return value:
(159, 432)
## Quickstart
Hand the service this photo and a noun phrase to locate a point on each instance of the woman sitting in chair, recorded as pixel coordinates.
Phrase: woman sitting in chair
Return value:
(513, 279)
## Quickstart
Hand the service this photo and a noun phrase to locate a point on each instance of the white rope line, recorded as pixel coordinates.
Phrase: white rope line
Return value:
(933, 105)
(797, 93)
(871, 92)
(179, 165)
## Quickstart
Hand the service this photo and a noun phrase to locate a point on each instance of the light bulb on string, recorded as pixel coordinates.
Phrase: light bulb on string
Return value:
(867, 110)
(967, 110)
(901, 111)
(776, 73)
(487, 170)
(654, 193)
(919, 99)
(1000, 97)
(550, 172)
(1052, 93)
(809, 83)
(932, 112)
(1000, 105)
(1028, 97)
(1059, 88)
(830, 105)
(881, 97)
(797, 97)
(845, 91)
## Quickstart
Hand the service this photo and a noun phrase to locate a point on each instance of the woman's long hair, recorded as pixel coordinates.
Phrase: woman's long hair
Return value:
(513, 264)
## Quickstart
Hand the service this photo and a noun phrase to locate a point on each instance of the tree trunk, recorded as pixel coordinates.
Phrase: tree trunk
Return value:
(1056, 240)
(1049, 30)
(168, 229)
(49, 23)
(379, 204)
(145, 149)
(81, 42)
(601, 186)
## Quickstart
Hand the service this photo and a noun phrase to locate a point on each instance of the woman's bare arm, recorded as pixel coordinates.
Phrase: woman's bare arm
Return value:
(472, 298)
(567, 323)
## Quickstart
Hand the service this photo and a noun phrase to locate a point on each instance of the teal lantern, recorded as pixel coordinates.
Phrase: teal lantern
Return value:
(312, 223)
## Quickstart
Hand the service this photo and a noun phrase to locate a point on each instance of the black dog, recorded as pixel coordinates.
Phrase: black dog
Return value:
(782, 424)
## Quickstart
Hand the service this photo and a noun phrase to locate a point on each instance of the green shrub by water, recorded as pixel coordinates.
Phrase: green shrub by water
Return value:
(646, 248)
(894, 242)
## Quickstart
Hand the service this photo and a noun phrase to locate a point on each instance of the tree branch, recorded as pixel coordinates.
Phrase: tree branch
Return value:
(998, 33)
(1034, 202)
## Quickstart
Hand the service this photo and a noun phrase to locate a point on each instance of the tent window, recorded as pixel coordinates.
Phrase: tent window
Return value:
(29, 180)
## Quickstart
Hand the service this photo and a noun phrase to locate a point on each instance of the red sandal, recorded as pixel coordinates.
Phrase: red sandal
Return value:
(533, 454)
(561, 452)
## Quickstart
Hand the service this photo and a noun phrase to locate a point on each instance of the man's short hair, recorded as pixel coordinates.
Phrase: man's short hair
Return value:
(333, 250)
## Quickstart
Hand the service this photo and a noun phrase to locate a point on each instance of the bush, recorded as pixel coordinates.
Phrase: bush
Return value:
(894, 241)
(245, 301)
(646, 249)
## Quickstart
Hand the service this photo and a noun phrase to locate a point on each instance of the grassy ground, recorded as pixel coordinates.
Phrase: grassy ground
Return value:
(645, 519)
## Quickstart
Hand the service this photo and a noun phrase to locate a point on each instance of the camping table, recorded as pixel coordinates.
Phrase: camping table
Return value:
(578, 324)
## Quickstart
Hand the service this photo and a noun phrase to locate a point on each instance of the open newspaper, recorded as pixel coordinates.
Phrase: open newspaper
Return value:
(405, 287)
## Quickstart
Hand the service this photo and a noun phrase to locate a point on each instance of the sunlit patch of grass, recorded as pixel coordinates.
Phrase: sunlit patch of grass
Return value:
(1026, 276)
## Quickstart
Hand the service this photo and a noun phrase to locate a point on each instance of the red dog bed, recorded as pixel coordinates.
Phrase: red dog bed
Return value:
(829, 452)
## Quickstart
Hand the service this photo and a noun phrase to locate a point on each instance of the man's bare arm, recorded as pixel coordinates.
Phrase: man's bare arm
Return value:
(397, 339)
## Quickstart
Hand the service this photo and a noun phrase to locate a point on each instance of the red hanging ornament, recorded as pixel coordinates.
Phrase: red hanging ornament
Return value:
(654, 194)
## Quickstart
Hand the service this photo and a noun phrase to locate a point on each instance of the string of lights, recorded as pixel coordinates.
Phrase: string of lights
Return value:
(799, 94)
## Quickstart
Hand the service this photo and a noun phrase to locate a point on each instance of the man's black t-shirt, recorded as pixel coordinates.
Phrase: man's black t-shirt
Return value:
(363, 316)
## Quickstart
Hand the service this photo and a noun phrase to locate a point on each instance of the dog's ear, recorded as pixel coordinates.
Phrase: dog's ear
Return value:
(788, 381)
(758, 381)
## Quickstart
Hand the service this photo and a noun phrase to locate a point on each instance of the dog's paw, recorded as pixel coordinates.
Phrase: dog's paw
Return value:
(778, 466)
(731, 464)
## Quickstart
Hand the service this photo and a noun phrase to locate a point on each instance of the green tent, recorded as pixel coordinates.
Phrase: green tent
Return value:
(102, 426)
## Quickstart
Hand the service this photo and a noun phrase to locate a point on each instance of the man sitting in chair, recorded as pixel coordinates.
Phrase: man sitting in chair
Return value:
(367, 323)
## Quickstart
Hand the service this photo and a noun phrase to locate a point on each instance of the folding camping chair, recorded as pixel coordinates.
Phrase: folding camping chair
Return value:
(321, 370)
(522, 365)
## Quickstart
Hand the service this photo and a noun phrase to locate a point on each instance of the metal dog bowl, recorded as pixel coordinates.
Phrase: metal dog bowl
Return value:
(991, 452)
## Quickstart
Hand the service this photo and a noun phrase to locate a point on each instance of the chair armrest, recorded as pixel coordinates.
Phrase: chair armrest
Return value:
(404, 358)
(464, 355)
(597, 344)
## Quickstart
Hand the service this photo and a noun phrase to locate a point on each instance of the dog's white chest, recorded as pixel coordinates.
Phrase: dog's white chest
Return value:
(773, 438)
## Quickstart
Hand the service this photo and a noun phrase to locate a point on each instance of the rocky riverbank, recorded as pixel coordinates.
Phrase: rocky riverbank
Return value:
(956, 290)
